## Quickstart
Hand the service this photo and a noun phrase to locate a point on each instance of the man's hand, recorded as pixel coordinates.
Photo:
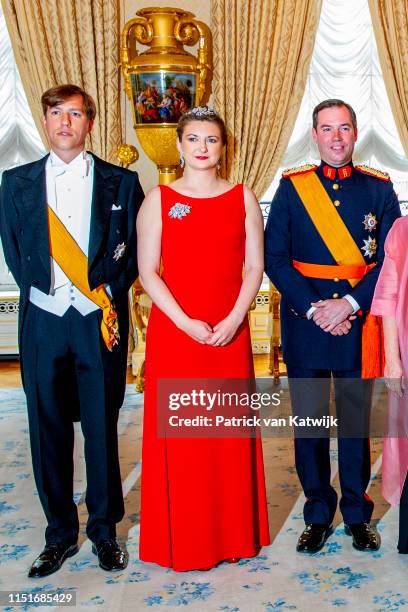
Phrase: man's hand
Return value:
(343, 328)
(330, 313)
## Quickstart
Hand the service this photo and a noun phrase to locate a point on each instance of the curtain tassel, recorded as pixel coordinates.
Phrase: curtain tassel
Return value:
(372, 349)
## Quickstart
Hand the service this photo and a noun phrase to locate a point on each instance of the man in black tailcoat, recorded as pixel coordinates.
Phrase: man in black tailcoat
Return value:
(67, 225)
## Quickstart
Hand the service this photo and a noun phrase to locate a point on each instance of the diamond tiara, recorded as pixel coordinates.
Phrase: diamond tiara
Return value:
(202, 111)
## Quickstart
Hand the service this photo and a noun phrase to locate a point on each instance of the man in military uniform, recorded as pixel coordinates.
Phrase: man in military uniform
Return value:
(324, 249)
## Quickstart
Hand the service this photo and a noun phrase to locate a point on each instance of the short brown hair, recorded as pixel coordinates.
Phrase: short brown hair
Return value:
(57, 95)
(334, 102)
(202, 113)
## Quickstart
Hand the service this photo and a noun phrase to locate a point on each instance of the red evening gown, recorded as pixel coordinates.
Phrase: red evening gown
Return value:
(202, 500)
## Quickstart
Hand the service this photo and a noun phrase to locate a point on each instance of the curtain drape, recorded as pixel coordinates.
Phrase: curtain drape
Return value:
(70, 41)
(390, 24)
(262, 52)
(19, 140)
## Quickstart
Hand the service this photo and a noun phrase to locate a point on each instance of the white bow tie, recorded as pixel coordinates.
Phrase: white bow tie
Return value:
(80, 167)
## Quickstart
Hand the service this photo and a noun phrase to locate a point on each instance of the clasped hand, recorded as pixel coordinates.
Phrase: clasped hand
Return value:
(334, 316)
(220, 335)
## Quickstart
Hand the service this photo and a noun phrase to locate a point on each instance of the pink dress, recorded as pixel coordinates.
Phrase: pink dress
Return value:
(391, 299)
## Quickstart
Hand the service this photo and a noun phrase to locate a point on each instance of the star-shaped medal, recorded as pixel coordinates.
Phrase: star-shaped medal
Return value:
(370, 222)
(119, 251)
(370, 247)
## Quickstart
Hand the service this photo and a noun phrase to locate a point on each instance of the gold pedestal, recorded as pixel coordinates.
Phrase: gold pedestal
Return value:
(164, 154)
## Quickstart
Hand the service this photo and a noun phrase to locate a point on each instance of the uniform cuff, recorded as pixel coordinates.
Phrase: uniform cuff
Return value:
(355, 305)
(310, 312)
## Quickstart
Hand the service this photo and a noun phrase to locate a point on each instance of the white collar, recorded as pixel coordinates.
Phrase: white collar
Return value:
(80, 165)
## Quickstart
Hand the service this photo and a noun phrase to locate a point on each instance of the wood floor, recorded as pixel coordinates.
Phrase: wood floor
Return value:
(10, 374)
(10, 371)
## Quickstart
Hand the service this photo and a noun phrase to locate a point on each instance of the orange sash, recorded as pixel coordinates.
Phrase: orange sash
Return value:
(74, 263)
(349, 258)
(332, 272)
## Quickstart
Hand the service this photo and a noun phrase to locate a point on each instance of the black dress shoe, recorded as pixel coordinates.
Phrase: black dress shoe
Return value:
(364, 536)
(111, 557)
(51, 559)
(312, 539)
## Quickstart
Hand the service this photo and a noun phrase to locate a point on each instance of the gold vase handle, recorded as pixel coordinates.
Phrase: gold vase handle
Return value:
(136, 30)
(186, 32)
(190, 32)
(204, 60)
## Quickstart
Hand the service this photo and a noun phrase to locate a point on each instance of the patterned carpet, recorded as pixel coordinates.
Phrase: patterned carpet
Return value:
(278, 579)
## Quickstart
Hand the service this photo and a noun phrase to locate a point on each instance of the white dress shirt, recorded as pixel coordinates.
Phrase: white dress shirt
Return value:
(69, 194)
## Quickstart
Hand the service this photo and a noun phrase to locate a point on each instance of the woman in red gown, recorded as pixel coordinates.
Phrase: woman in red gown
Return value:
(203, 499)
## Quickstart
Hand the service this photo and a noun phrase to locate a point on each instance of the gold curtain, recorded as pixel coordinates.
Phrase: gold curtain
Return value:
(70, 41)
(390, 24)
(262, 52)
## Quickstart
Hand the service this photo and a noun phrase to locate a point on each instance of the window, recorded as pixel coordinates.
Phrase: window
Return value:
(20, 141)
(345, 65)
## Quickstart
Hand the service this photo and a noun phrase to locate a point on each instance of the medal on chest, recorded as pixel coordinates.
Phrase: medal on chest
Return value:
(370, 247)
(370, 222)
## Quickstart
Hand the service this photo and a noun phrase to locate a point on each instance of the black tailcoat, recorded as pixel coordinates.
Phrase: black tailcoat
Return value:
(67, 370)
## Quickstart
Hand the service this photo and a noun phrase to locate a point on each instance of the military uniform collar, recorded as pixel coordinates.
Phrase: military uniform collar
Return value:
(332, 173)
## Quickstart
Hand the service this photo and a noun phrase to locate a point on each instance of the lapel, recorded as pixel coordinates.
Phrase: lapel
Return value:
(104, 194)
(32, 192)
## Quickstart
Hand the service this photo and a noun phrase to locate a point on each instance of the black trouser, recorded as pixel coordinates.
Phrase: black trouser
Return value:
(310, 396)
(69, 371)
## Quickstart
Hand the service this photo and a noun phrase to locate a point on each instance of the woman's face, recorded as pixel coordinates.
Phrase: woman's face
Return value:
(201, 144)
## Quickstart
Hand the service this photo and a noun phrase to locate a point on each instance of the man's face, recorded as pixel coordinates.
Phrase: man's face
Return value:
(67, 126)
(335, 135)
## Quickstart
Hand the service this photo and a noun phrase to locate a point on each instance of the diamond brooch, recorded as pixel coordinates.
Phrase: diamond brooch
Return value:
(178, 211)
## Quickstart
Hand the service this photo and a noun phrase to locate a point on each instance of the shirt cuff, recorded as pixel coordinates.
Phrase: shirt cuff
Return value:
(310, 312)
(355, 305)
(109, 292)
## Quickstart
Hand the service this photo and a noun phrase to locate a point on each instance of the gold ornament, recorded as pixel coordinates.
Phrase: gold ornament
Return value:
(298, 170)
(165, 81)
(384, 176)
(126, 155)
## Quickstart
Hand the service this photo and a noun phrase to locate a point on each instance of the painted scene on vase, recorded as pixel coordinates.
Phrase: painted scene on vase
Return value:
(162, 97)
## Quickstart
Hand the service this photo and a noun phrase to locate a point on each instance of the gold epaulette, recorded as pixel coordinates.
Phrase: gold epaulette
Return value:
(383, 176)
(299, 170)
